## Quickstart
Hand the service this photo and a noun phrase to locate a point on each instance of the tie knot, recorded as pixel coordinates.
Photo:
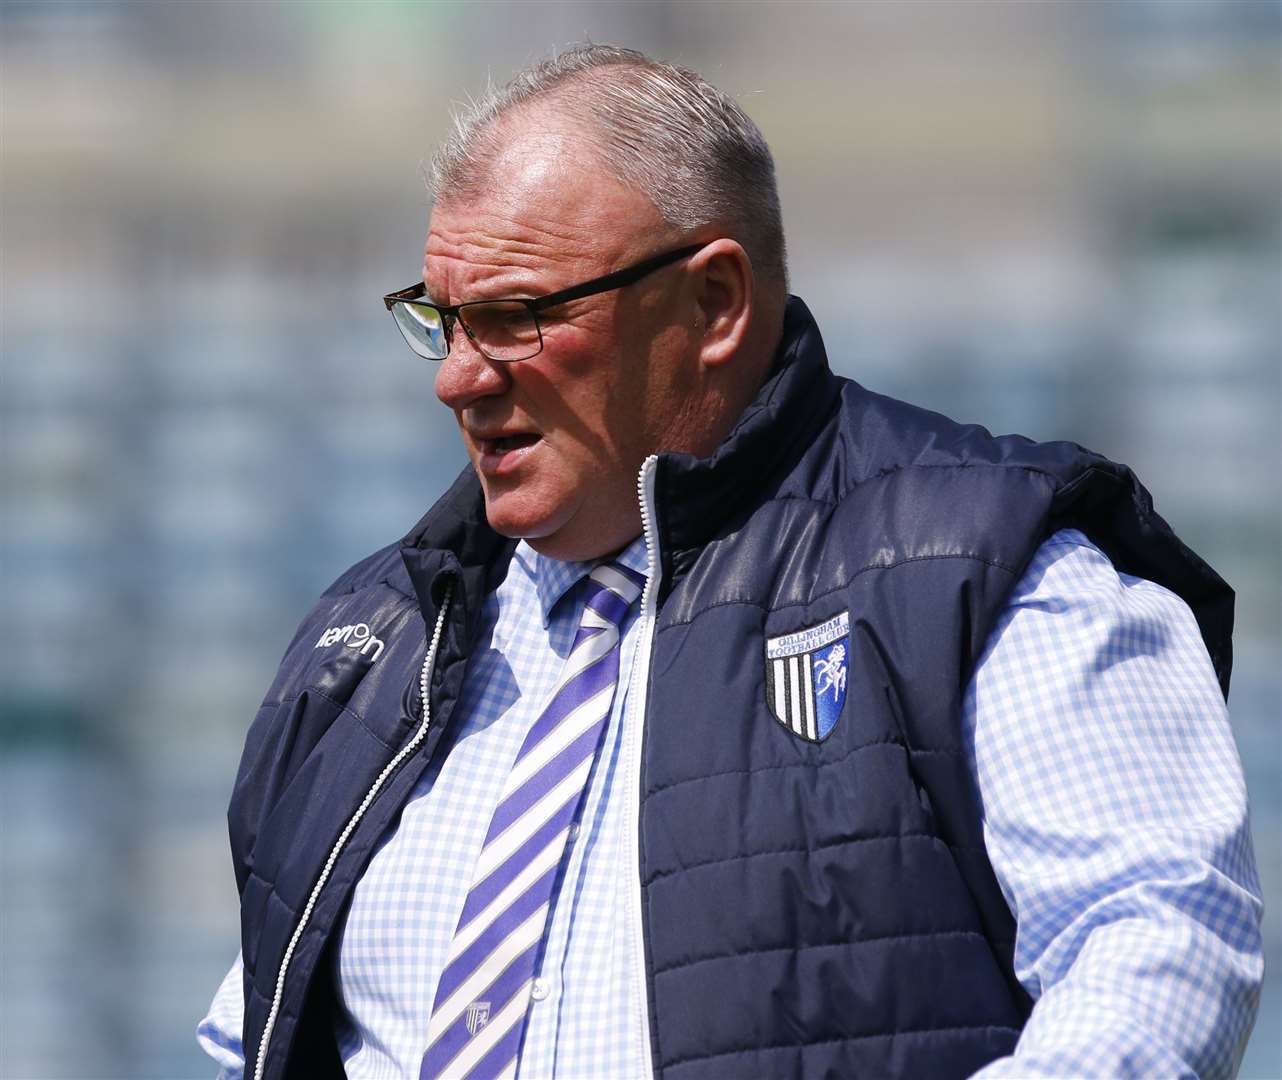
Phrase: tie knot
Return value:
(611, 590)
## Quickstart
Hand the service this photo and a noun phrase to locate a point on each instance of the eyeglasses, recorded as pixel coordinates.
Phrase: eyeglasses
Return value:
(504, 330)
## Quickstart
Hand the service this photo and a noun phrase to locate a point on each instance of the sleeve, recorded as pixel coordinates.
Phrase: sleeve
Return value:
(1115, 817)
(219, 1033)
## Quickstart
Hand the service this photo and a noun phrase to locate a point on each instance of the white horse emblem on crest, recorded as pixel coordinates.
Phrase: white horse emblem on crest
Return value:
(830, 673)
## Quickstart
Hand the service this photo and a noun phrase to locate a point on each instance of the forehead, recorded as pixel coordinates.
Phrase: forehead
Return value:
(546, 207)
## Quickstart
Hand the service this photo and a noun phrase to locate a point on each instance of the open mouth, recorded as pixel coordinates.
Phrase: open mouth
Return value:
(508, 443)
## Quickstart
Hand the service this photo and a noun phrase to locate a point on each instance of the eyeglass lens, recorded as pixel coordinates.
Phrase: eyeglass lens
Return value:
(423, 328)
(501, 329)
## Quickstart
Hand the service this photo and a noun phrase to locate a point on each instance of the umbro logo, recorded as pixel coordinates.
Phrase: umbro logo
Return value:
(355, 636)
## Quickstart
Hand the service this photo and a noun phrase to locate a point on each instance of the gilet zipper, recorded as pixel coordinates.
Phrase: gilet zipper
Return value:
(633, 734)
(425, 679)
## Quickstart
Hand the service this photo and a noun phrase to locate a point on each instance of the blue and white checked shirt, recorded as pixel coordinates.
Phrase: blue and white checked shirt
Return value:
(1119, 836)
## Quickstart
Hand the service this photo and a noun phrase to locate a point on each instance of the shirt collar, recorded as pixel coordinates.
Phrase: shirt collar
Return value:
(553, 578)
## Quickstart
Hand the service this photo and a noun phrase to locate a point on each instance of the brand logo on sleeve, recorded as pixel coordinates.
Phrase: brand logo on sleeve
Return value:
(806, 674)
(355, 636)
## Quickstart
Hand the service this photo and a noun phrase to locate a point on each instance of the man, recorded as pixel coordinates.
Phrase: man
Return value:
(882, 747)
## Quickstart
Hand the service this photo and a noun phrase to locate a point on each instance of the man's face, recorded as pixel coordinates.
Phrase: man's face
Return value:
(557, 440)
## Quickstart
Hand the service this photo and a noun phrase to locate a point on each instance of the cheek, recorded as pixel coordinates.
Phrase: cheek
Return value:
(575, 349)
(662, 385)
(571, 388)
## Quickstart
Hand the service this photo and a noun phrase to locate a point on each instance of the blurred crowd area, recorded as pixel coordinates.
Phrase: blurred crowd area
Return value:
(1054, 218)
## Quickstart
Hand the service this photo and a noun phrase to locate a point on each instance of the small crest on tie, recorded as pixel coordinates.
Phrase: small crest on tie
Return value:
(478, 1015)
(806, 677)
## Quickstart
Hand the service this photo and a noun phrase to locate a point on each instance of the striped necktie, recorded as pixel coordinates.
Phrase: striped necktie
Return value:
(478, 1017)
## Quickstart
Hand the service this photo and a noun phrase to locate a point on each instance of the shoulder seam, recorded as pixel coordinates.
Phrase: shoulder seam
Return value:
(371, 585)
(835, 589)
(893, 469)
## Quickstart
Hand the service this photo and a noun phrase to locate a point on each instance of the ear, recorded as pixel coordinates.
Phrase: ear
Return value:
(724, 297)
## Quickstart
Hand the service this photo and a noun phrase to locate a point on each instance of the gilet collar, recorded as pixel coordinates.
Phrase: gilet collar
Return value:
(699, 497)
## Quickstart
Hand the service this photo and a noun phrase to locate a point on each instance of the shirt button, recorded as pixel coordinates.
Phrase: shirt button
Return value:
(573, 832)
(539, 990)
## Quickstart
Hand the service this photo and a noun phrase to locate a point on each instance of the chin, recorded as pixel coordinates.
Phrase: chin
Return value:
(508, 518)
(558, 529)
(545, 535)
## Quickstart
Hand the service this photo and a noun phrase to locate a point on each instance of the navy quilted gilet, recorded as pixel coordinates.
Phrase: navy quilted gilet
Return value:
(811, 908)
(828, 909)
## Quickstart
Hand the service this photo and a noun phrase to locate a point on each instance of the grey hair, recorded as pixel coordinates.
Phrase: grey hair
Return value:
(660, 129)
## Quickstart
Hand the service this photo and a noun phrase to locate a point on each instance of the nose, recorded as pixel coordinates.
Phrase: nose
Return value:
(465, 376)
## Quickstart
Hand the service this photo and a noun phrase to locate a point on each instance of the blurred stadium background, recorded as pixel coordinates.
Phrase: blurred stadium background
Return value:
(1057, 218)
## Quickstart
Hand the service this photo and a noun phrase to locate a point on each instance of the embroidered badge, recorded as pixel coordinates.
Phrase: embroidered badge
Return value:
(806, 677)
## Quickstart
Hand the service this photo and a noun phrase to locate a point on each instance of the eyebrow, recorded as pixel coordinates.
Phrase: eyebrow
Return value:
(521, 293)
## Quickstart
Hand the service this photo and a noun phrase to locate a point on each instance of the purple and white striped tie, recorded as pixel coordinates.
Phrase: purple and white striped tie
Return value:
(483, 997)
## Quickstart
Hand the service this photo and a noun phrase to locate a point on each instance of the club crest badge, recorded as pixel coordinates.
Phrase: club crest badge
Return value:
(478, 1015)
(806, 677)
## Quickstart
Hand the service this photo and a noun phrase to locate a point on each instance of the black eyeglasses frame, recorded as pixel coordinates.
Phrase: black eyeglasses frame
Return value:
(450, 313)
